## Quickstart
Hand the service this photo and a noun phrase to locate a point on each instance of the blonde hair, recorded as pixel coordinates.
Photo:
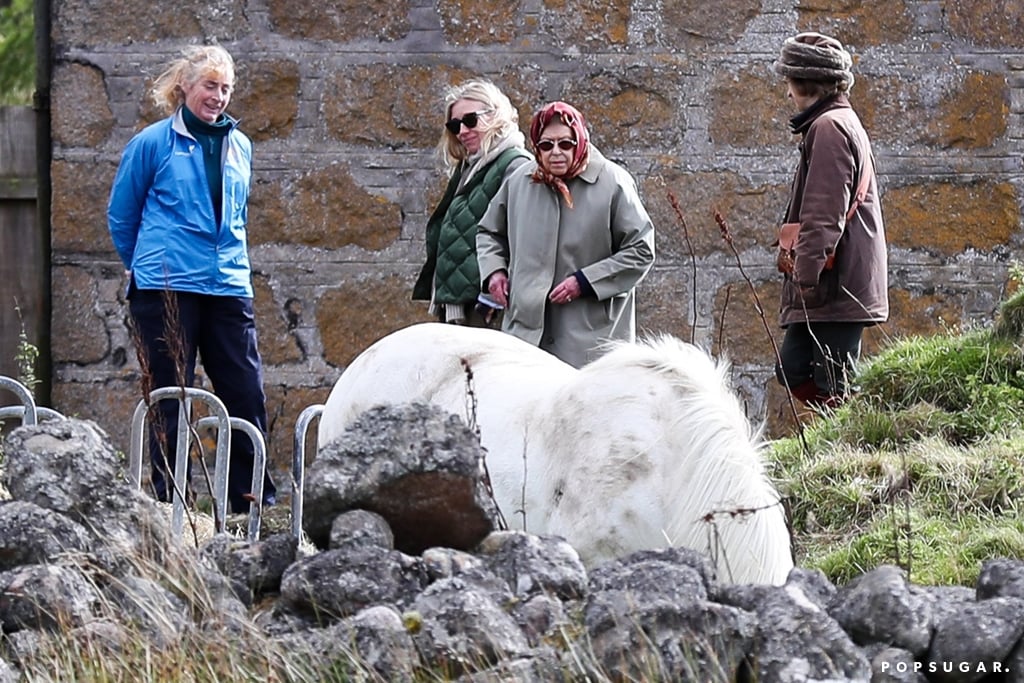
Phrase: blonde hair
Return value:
(196, 62)
(499, 121)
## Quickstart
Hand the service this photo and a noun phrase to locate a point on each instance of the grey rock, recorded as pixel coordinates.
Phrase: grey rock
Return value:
(361, 527)
(30, 534)
(149, 609)
(370, 645)
(1001, 578)
(414, 465)
(281, 620)
(813, 584)
(648, 577)
(444, 563)
(880, 607)
(61, 465)
(1014, 664)
(980, 633)
(381, 642)
(46, 597)
(20, 646)
(254, 568)
(8, 672)
(104, 637)
(69, 466)
(340, 583)
(535, 564)
(216, 604)
(799, 642)
(749, 595)
(540, 617)
(945, 601)
(694, 640)
(463, 629)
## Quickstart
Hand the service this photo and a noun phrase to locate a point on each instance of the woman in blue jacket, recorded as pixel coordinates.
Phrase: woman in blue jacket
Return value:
(177, 216)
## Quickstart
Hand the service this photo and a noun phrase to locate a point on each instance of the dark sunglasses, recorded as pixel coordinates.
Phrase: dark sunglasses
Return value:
(565, 144)
(469, 121)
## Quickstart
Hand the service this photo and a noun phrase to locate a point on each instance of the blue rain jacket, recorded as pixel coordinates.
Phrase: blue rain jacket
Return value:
(161, 216)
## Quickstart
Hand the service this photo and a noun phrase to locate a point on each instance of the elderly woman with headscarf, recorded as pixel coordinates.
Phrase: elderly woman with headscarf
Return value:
(565, 242)
(832, 250)
(480, 145)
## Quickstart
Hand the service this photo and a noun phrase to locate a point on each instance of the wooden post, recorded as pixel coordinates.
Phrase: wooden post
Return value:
(23, 265)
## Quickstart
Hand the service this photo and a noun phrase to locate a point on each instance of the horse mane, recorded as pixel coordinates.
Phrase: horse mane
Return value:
(688, 367)
(730, 503)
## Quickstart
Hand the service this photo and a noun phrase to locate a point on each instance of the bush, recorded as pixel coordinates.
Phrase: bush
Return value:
(17, 52)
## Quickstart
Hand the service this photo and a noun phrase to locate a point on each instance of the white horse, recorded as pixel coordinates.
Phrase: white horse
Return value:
(644, 448)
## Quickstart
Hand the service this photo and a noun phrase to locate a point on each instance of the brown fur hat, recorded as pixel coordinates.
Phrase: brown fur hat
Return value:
(816, 57)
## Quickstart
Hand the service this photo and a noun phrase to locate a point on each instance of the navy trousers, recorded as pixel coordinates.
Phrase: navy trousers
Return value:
(222, 331)
(822, 353)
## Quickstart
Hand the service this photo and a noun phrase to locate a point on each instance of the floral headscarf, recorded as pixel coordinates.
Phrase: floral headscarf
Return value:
(571, 117)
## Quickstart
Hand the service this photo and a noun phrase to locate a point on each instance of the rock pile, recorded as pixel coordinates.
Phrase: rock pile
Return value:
(75, 539)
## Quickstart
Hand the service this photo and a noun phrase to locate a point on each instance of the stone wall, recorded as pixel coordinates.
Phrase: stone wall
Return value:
(342, 100)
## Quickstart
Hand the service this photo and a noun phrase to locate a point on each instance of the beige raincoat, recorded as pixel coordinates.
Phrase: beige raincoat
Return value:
(532, 234)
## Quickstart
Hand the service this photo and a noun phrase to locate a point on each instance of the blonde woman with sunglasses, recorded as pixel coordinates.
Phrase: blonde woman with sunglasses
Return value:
(480, 145)
(565, 242)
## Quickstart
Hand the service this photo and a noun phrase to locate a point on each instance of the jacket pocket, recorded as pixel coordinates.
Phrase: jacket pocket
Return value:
(814, 296)
(614, 307)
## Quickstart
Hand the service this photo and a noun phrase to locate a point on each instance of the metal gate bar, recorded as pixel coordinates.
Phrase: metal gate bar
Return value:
(27, 410)
(299, 464)
(259, 466)
(184, 396)
(30, 414)
(19, 413)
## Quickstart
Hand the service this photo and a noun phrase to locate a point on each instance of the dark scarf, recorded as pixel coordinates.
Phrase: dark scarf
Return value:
(210, 137)
(798, 124)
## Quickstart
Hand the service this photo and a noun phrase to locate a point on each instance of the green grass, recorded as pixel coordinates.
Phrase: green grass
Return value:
(923, 468)
(937, 510)
(963, 388)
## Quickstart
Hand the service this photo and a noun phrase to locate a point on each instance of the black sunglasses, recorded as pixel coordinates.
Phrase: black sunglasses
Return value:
(565, 144)
(469, 121)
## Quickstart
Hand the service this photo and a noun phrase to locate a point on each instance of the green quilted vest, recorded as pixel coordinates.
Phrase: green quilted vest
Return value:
(451, 235)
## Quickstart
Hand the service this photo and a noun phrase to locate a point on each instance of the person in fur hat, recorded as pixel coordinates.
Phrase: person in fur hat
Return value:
(832, 249)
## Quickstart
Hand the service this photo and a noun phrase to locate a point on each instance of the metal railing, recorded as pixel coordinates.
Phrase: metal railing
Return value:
(28, 412)
(259, 466)
(306, 417)
(224, 424)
